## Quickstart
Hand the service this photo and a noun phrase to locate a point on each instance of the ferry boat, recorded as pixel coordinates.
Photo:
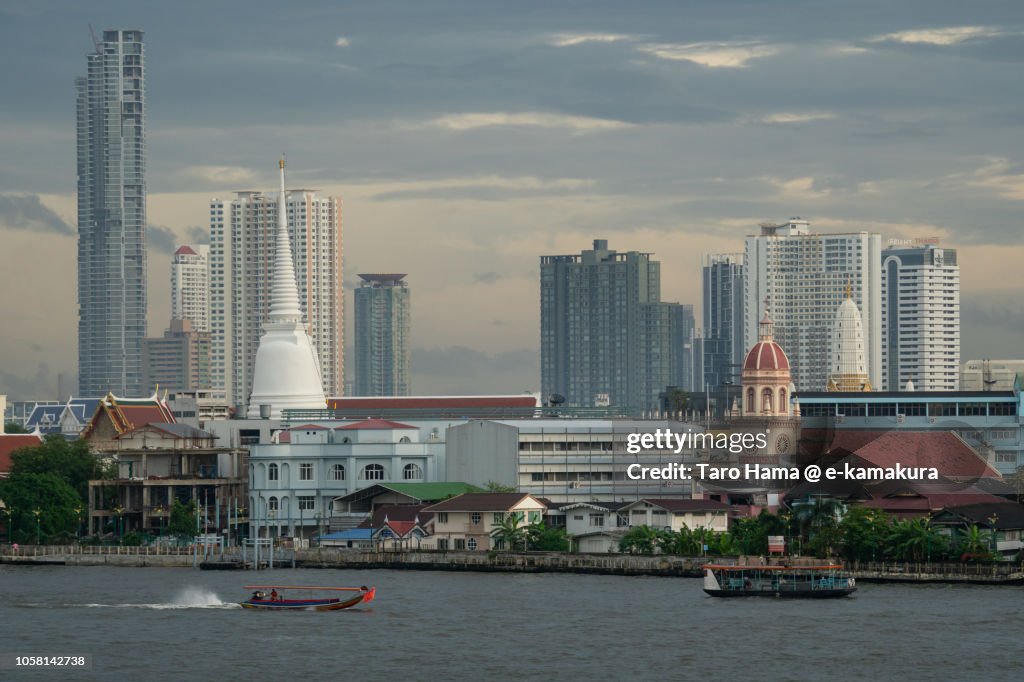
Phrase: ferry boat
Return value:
(272, 598)
(799, 582)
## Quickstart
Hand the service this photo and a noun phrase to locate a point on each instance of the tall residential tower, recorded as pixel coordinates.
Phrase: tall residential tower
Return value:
(723, 346)
(111, 146)
(921, 317)
(242, 248)
(382, 335)
(190, 286)
(606, 336)
(802, 277)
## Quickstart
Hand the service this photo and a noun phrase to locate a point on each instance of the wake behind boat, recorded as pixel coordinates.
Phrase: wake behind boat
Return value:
(801, 582)
(272, 598)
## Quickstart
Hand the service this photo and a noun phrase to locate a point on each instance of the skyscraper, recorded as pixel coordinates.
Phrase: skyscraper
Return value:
(190, 286)
(241, 261)
(920, 317)
(723, 345)
(605, 331)
(177, 361)
(802, 276)
(111, 149)
(382, 335)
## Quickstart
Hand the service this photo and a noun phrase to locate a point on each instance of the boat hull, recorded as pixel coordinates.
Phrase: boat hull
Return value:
(308, 604)
(785, 594)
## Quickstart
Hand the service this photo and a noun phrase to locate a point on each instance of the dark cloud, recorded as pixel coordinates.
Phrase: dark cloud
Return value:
(162, 239)
(198, 235)
(27, 212)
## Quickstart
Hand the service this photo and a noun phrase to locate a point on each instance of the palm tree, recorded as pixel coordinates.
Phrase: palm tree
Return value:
(915, 540)
(511, 532)
(973, 542)
(819, 517)
(639, 540)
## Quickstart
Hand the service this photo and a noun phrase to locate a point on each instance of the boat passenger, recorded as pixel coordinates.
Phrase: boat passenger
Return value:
(273, 596)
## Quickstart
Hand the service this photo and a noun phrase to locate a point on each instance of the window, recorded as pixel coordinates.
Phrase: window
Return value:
(535, 516)
(475, 517)
(306, 471)
(338, 472)
(373, 472)
(498, 517)
(306, 503)
(442, 544)
(597, 520)
(442, 517)
(405, 439)
(272, 472)
(412, 472)
(471, 544)
(577, 517)
(272, 504)
(460, 544)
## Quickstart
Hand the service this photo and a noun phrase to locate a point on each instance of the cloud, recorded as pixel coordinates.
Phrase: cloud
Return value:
(221, 175)
(940, 36)
(715, 55)
(454, 370)
(793, 117)
(161, 239)
(535, 119)
(572, 39)
(27, 212)
(342, 41)
(489, 187)
(40, 383)
(1001, 177)
(198, 235)
(489, 277)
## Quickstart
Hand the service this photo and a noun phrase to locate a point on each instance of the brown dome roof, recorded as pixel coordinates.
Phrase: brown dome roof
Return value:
(766, 355)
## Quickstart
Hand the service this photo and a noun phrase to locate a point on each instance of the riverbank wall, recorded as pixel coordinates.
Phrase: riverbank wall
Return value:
(506, 562)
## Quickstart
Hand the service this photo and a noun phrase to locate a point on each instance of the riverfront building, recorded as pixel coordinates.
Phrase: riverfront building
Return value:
(382, 345)
(920, 318)
(992, 422)
(803, 276)
(606, 336)
(111, 150)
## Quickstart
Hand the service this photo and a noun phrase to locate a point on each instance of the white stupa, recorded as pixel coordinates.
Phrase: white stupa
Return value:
(848, 370)
(287, 372)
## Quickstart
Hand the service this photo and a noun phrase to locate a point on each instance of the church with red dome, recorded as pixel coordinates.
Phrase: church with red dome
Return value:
(766, 377)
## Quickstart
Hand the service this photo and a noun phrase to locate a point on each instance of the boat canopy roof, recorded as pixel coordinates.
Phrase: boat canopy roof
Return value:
(302, 587)
(825, 567)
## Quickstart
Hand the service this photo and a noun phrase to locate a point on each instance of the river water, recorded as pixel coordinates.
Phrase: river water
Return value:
(153, 623)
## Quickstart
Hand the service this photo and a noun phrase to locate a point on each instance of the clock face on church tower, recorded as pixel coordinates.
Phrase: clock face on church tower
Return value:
(782, 445)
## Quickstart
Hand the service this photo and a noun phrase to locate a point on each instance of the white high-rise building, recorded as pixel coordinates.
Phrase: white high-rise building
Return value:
(190, 286)
(803, 277)
(920, 317)
(241, 262)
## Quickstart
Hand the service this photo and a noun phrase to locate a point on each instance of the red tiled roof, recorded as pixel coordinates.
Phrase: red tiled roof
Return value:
(429, 402)
(480, 502)
(942, 450)
(185, 251)
(9, 442)
(927, 503)
(308, 427)
(398, 513)
(766, 355)
(127, 413)
(379, 424)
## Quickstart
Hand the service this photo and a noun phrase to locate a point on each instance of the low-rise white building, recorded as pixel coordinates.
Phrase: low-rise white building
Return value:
(673, 515)
(294, 481)
(471, 521)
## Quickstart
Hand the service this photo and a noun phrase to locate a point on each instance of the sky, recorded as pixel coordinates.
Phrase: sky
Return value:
(468, 138)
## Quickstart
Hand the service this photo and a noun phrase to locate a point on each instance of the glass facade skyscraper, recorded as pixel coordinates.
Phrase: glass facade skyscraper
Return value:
(111, 150)
(382, 335)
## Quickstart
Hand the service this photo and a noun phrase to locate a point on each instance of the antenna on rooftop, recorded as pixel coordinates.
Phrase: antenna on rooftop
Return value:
(95, 43)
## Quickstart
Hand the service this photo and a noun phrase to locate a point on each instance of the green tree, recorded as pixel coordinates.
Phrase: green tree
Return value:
(974, 544)
(495, 487)
(15, 427)
(512, 532)
(639, 540)
(50, 495)
(183, 519)
(545, 538)
(818, 520)
(915, 540)
(71, 462)
(751, 534)
(863, 532)
(678, 543)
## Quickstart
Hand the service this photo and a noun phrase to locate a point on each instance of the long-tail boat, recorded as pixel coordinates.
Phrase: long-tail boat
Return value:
(272, 598)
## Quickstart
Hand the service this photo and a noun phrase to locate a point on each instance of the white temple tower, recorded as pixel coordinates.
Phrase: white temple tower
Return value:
(287, 372)
(847, 356)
